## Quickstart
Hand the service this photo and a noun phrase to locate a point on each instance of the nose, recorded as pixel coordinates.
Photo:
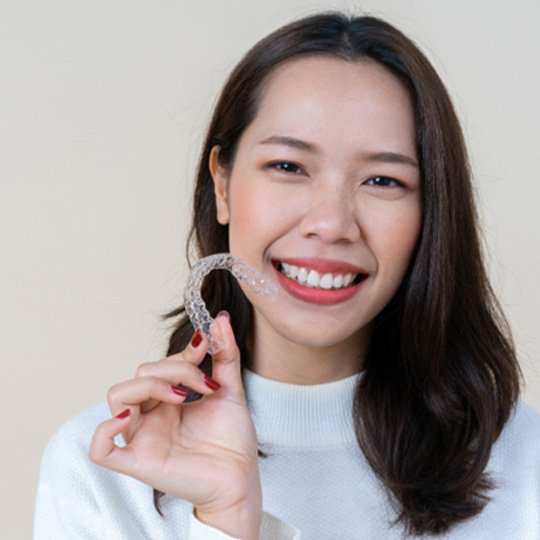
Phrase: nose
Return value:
(331, 216)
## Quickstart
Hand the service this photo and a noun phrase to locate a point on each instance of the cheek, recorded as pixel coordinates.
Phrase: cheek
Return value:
(392, 235)
(255, 220)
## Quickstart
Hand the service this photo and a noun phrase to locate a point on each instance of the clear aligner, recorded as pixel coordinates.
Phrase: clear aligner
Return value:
(194, 305)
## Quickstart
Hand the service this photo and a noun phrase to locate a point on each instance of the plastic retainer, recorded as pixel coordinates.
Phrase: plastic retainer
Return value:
(194, 305)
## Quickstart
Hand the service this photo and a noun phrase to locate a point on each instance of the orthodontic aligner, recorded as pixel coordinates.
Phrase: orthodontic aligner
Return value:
(194, 305)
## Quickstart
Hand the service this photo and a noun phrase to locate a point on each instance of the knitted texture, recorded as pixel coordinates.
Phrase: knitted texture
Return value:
(314, 479)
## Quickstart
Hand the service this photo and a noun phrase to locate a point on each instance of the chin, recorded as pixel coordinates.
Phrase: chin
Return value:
(318, 340)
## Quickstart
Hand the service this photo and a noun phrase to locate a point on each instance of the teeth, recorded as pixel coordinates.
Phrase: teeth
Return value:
(291, 271)
(312, 278)
(302, 276)
(326, 281)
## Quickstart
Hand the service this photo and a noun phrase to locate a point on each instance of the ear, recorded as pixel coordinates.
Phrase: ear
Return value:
(220, 186)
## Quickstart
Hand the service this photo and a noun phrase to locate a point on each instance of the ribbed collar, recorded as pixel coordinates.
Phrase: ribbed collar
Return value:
(301, 415)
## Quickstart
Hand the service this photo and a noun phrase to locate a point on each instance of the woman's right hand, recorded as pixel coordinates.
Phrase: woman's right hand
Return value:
(204, 452)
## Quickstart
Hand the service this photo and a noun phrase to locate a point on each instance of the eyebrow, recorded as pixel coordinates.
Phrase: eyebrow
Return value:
(377, 157)
(391, 157)
(292, 142)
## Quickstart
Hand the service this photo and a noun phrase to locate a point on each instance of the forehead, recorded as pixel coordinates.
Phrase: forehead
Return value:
(318, 66)
(327, 97)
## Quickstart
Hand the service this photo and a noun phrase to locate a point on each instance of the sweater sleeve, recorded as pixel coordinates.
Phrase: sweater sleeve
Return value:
(272, 528)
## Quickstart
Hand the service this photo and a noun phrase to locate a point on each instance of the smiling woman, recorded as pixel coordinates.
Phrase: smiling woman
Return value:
(378, 396)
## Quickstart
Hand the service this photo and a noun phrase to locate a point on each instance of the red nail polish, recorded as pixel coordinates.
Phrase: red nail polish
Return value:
(213, 385)
(196, 339)
(123, 414)
(180, 390)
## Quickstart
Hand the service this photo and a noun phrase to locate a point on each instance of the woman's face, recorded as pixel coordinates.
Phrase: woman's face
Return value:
(324, 195)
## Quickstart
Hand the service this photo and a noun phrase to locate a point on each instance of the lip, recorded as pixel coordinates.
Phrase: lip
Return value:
(316, 295)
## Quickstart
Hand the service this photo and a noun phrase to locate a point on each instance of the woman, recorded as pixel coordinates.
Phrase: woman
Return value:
(377, 397)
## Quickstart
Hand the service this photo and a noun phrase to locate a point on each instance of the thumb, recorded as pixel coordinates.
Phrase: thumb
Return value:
(226, 367)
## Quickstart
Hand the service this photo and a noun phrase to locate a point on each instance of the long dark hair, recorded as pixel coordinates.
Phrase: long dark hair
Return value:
(441, 376)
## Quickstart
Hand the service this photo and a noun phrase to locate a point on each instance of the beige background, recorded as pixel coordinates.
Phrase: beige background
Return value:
(102, 107)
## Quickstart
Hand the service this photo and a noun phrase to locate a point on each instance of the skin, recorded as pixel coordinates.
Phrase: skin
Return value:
(324, 200)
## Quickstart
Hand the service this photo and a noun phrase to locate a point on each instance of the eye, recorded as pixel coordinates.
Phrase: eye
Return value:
(286, 166)
(383, 181)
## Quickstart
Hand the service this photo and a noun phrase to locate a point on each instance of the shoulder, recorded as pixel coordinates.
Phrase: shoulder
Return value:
(72, 440)
(524, 422)
(68, 479)
(514, 468)
(80, 427)
(519, 442)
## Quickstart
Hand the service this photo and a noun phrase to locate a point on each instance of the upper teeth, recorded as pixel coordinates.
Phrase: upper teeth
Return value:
(312, 278)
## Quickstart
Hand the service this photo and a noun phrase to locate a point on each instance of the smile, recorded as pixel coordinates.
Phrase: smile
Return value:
(317, 280)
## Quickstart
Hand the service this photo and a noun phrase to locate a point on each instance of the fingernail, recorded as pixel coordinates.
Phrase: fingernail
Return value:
(224, 313)
(180, 390)
(196, 339)
(123, 414)
(213, 385)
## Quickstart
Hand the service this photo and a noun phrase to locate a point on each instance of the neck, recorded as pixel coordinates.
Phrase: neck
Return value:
(282, 360)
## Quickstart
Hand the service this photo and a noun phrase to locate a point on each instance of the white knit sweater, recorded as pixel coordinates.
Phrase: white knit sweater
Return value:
(315, 479)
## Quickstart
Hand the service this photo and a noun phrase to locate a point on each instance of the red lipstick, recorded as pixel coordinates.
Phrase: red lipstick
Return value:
(316, 295)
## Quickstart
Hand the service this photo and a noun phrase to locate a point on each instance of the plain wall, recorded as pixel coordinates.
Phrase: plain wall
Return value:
(103, 104)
